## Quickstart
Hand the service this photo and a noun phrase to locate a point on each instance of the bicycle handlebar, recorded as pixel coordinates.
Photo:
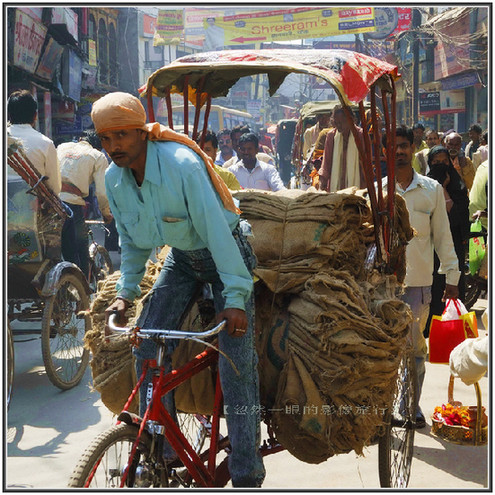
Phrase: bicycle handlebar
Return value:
(170, 334)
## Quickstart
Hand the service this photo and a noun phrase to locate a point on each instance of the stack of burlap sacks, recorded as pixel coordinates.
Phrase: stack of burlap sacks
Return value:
(329, 332)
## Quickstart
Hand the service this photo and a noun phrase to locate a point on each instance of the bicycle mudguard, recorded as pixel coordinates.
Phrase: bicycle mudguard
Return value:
(130, 418)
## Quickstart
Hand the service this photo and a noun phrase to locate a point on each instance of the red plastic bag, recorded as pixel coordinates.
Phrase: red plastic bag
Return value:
(445, 335)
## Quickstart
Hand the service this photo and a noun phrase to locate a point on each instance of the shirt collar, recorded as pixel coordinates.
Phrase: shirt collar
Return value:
(152, 170)
(416, 182)
(256, 165)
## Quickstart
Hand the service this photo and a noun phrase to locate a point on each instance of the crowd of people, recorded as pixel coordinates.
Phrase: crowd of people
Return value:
(159, 188)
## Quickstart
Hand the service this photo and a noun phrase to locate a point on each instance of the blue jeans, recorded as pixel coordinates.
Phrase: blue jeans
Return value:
(181, 279)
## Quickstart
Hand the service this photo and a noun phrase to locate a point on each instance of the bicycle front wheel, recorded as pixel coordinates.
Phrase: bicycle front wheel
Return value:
(104, 462)
(395, 448)
(63, 328)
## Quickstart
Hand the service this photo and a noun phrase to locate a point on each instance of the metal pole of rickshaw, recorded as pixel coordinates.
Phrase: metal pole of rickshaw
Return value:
(205, 123)
(199, 91)
(151, 110)
(168, 101)
(366, 167)
(186, 105)
(378, 174)
(390, 172)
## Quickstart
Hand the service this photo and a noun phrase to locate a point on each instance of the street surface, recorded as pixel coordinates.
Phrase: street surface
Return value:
(47, 430)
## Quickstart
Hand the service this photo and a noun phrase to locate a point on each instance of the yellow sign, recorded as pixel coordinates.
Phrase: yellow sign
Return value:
(169, 28)
(92, 53)
(287, 24)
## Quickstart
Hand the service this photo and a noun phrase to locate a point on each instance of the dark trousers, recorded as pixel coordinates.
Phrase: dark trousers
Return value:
(75, 239)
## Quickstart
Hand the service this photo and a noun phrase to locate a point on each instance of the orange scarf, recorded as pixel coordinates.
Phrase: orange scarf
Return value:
(158, 132)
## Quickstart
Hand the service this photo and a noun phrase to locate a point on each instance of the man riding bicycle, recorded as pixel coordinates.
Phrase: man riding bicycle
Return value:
(162, 189)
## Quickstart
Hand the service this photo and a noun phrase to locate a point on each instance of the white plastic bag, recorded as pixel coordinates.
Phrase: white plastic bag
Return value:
(454, 308)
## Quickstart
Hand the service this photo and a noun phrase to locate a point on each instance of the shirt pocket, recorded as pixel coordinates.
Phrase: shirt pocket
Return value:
(176, 232)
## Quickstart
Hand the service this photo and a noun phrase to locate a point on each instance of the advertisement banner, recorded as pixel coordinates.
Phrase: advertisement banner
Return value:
(193, 21)
(49, 60)
(169, 28)
(28, 41)
(287, 24)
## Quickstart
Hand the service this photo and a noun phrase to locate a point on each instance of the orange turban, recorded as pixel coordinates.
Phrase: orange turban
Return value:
(119, 110)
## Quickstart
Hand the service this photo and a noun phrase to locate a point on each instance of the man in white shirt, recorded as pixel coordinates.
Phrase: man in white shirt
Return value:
(428, 216)
(251, 172)
(81, 164)
(22, 111)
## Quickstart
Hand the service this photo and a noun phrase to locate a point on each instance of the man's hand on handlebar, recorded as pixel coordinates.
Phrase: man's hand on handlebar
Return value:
(118, 307)
(237, 322)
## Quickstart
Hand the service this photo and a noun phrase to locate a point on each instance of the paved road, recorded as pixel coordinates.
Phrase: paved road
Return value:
(47, 430)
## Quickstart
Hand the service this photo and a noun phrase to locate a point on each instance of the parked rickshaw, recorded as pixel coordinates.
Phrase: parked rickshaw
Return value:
(199, 78)
(40, 286)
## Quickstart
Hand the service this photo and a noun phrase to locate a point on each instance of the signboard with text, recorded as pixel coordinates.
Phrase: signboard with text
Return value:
(442, 102)
(287, 24)
(28, 41)
(49, 60)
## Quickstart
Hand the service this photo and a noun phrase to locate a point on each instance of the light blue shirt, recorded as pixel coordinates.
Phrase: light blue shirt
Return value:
(176, 205)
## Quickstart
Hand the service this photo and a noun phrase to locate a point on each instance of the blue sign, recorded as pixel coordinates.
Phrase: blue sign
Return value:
(460, 81)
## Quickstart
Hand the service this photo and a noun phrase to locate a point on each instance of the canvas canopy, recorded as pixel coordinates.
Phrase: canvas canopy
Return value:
(351, 74)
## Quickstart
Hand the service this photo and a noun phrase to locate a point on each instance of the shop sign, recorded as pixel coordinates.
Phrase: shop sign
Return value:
(49, 60)
(461, 81)
(61, 15)
(442, 102)
(28, 41)
(429, 102)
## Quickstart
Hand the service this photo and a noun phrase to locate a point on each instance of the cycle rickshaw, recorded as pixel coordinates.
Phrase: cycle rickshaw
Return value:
(127, 454)
(40, 286)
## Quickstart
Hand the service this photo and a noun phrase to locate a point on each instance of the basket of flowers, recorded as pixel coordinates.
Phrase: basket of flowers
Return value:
(461, 424)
